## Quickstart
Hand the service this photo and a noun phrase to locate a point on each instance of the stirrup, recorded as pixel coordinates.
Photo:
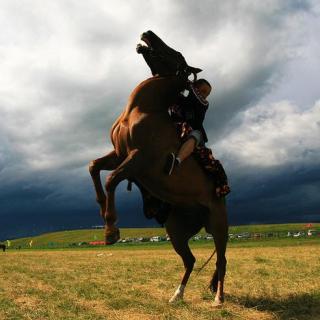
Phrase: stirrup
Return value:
(169, 166)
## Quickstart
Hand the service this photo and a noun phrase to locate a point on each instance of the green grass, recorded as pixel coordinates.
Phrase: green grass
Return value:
(85, 235)
(265, 228)
(64, 238)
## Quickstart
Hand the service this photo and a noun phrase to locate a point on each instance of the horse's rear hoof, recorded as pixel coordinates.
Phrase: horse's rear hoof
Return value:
(112, 236)
(218, 301)
(217, 304)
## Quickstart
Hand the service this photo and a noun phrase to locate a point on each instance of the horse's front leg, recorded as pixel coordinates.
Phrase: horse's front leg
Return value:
(108, 162)
(188, 260)
(179, 237)
(127, 169)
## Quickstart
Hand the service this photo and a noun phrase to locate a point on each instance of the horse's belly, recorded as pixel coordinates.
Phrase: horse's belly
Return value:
(188, 186)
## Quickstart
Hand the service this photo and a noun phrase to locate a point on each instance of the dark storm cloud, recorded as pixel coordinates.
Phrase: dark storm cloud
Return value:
(245, 71)
(68, 68)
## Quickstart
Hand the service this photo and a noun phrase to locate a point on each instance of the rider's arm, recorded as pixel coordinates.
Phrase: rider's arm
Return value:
(176, 111)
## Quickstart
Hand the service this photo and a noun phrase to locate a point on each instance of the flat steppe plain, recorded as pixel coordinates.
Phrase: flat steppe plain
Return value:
(265, 281)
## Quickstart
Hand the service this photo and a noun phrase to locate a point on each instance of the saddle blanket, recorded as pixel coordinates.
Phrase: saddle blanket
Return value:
(204, 156)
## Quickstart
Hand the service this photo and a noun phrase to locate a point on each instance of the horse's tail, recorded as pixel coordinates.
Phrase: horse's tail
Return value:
(206, 262)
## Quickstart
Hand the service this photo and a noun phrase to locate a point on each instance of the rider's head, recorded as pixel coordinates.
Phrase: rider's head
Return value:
(203, 86)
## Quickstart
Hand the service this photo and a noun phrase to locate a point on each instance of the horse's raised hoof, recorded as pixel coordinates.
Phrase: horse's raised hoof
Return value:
(112, 235)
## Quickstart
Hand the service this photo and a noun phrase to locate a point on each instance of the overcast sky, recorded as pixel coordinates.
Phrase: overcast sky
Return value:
(67, 68)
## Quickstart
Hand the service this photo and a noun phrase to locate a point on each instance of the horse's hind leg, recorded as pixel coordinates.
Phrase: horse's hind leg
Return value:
(217, 225)
(127, 169)
(108, 162)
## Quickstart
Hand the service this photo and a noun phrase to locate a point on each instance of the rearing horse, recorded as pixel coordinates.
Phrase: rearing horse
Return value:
(142, 137)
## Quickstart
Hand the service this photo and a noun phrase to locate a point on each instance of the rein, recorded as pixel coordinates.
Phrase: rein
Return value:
(206, 263)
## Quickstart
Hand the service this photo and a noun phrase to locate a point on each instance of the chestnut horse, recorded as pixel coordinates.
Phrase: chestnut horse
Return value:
(142, 137)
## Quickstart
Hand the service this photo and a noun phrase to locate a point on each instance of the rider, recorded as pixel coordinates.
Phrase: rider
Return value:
(188, 113)
(191, 111)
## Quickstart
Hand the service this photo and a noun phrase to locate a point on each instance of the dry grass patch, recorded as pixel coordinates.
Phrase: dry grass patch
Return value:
(27, 302)
(261, 283)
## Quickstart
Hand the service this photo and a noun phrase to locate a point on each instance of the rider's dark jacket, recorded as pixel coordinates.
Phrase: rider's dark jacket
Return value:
(192, 109)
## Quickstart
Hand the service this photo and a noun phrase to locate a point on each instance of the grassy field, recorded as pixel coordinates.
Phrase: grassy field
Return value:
(86, 235)
(266, 282)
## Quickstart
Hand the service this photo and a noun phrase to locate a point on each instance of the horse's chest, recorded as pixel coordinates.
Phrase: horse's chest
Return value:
(120, 138)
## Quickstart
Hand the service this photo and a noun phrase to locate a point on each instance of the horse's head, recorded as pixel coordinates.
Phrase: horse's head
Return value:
(162, 59)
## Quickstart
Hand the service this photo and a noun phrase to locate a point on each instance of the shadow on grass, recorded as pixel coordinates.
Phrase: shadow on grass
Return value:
(300, 306)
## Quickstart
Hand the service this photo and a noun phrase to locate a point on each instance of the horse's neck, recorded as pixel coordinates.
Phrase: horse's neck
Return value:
(154, 94)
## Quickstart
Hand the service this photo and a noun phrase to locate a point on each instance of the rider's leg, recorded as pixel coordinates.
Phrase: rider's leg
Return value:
(186, 149)
(193, 139)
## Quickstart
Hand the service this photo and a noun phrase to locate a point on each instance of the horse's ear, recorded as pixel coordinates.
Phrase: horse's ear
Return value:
(194, 70)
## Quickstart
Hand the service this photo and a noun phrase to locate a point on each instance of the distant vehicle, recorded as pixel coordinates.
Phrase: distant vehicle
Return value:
(298, 234)
(311, 233)
(208, 237)
(156, 239)
(97, 243)
(126, 240)
(82, 244)
(142, 239)
(196, 238)
(244, 235)
(231, 236)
